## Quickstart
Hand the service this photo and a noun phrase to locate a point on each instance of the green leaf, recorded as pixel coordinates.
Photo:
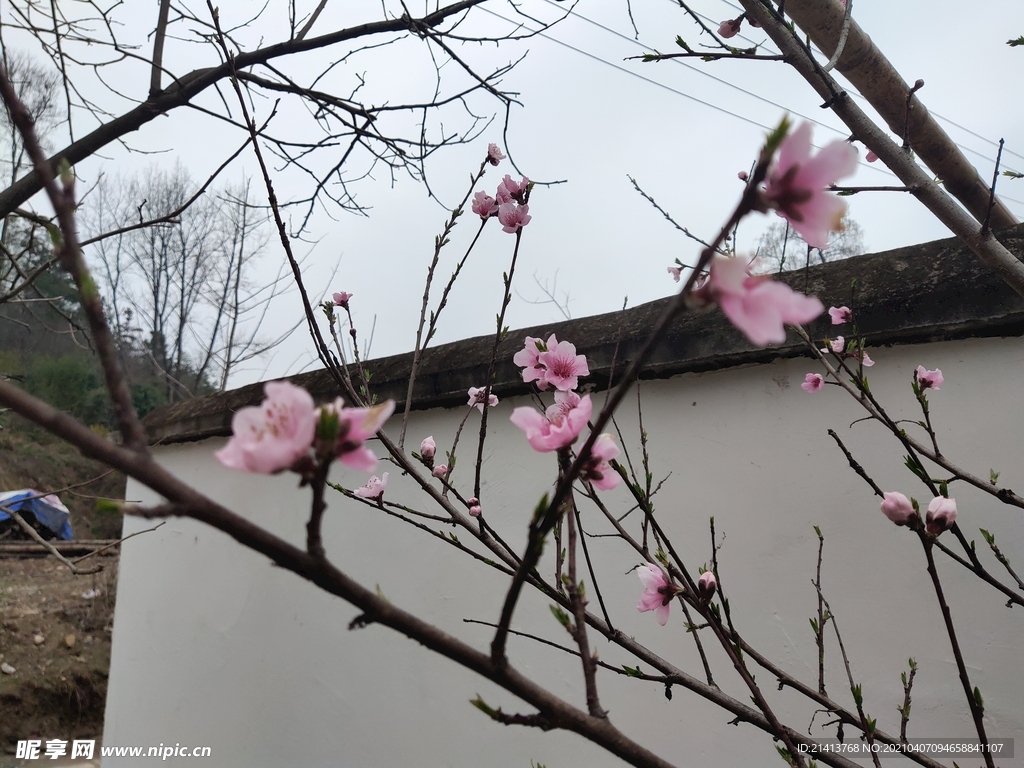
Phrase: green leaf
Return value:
(632, 671)
(682, 44)
(1015, 42)
(993, 476)
(562, 616)
(775, 137)
(989, 538)
(483, 707)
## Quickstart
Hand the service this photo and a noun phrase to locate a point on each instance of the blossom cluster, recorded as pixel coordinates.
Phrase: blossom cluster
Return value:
(554, 363)
(510, 201)
(288, 431)
(939, 517)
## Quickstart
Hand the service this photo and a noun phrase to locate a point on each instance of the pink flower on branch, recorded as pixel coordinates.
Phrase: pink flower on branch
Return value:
(840, 315)
(428, 447)
(836, 345)
(374, 488)
(494, 155)
(341, 299)
(928, 379)
(897, 507)
(597, 471)
(559, 426)
(529, 359)
(513, 217)
(476, 398)
(940, 516)
(813, 382)
(676, 272)
(562, 366)
(273, 436)
(354, 427)
(797, 185)
(757, 306)
(440, 470)
(730, 27)
(484, 206)
(511, 191)
(658, 592)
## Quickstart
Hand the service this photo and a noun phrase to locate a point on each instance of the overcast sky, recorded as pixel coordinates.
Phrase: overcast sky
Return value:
(683, 129)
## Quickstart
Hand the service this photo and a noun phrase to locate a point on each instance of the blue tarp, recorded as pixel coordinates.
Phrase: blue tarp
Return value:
(48, 510)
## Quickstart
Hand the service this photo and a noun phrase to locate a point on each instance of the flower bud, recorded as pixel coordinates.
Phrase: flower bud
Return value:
(897, 507)
(475, 510)
(940, 516)
(440, 470)
(428, 447)
(706, 585)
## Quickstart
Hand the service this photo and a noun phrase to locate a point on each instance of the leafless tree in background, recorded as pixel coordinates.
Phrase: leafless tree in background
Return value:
(781, 248)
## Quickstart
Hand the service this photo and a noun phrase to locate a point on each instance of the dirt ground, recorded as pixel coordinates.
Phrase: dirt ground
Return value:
(55, 632)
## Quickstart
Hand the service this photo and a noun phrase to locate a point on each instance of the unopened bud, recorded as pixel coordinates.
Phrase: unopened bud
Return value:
(897, 507)
(940, 516)
(706, 585)
(428, 447)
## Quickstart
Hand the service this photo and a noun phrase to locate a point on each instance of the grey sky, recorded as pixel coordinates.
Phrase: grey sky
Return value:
(589, 118)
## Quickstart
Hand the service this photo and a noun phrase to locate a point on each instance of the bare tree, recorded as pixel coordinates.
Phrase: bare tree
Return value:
(782, 249)
(344, 135)
(181, 292)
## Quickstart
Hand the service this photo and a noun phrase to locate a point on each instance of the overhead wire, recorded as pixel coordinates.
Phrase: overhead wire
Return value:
(743, 90)
(854, 93)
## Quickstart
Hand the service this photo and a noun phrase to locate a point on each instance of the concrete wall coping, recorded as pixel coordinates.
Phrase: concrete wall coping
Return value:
(929, 292)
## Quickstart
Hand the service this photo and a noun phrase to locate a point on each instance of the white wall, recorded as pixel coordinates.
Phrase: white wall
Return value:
(215, 646)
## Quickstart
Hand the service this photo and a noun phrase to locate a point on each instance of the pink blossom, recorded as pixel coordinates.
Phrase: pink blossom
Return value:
(374, 488)
(511, 191)
(558, 427)
(840, 315)
(476, 398)
(494, 155)
(796, 185)
(730, 27)
(706, 585)
(940, 516)
(743, 176)
(355, 427)
(484, 206)
(871, 157)
(428, 447)
(658, 592)
(474, 506)
(529, 358)
(813, 382)
(562, 366)
(513, 217)
(597, 471)
(756, 305)
(676, 272)
(273, 436)
(928, 379)
(341, 299)
(836, 345)
(897, 507)
(866, 361)
(440, 470)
